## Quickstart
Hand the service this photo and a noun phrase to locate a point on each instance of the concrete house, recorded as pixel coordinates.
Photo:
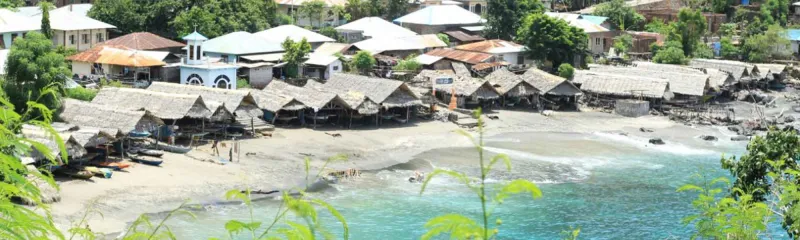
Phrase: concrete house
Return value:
(372, 27)
(198, 70)
(399, 47)
(13, 25)
(600, 37)
(436, 19)
(279, 34)
(329, 17)
(77, 31)
(231, 47)
(505, 51)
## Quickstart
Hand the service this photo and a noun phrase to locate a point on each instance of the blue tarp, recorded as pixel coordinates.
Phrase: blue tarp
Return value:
(794, 34)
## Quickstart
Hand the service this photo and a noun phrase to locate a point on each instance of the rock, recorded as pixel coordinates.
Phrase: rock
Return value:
(708, 138)
(788, 119)
(656, 141)
(796, 109)
(643, 129)
(547, 113)
(736, 128)
(740, 138)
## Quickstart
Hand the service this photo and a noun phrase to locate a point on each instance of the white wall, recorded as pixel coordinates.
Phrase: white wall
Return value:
(335, 67)
(7, 39)
(303, 21)
(596, 43)
(81, 68)
(63, 38)
(260, 76)
(795, 47)
(512, 58)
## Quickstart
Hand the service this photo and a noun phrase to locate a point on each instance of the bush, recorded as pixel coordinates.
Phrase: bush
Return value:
(242, 83)
(566, 70)
(363, 62)
(670, 55)
(602, 61)
(728, 50)
(329, 32)
(110, 83)
(444, 38)
(81, 93)
(408, 64)
(703, 51)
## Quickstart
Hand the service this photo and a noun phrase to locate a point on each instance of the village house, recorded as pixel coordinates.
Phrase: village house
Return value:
(503, 50)
(398, 47)
(441, 59)
(77, 31)
(436, 19)
(13, 25)
(600, 37)
(457, 37)
(146, 41)
(329, 16)
(123, 64)
(372, 27)
(321, 66)
(279, 34)
(199, 70)
(229, 48)
(794, 37)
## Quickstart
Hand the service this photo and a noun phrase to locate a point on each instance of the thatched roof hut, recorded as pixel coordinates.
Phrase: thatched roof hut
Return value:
(352, 99)
(623, 86)
(108, 119)
(239, 102)
(73, 147)
(510, 84)
(737, 69)
(275, 103)
(718, 79)
(388, 93)
(658, 67)
(772, 70)
(309, 97)
(461, 70)
(680, 83)
(551, 84)
(470, 87)
(86, 136)
(161, 105)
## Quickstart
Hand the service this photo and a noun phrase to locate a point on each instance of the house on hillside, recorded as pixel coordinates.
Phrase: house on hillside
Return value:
(503, 50)
(122, 63)
(600, 37)
(232, 47)
(794, 37)
(146, 41)
(76, 31)
(12, 26)
(321, 66)
(399, 47)
(458, 37)
(372, 27)
(436, 19)
(329, 16)
(279, 34)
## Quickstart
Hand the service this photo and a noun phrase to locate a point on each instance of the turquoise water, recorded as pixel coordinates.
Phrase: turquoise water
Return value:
(611, 187)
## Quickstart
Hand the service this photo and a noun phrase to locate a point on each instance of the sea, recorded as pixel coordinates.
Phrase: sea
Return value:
(610, 186)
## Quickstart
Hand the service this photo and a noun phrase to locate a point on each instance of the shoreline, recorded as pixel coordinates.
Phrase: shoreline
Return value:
(277, 162)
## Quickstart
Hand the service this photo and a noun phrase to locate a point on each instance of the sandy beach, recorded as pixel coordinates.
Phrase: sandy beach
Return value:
(276, 162)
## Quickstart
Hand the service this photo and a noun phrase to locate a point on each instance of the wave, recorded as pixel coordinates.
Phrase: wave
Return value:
(643, 143)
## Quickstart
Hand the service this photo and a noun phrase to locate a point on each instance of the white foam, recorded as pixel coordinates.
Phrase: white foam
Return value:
(643, 143)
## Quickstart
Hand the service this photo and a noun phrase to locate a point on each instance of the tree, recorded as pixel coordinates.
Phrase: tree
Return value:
(396, 9)
(33, 65)
(357, 9)
(551, 39)
(329, 32)
(728, 50)
(312, 10)
(376, 7)
(126, 15)
(444, 38)
(701, 50)
(295, 52)
(623, 43)
(566, 70)
(672, 53)
(657, 26)
(363, 62)
(408, 64)
(727, 30)
(620, 14)
(721, 6)
(767, 46)
(690, 27)
(12, 4)
(45, 7)
(505, 16)
(775, 12)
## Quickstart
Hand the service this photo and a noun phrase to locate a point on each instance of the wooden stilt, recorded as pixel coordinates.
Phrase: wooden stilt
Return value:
(275, 117)
(408, 112)
(122, 148)
(351, 119)
(315, 120)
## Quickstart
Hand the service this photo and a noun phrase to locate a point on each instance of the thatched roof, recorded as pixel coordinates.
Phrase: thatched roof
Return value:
(548, 83)
(736, 69)
(624, 86)
(386, 92)
(308, 97)
(275, 103)
(352, 99)
(460, 69)
(161, 105)
(36, 133)
(479, 88)
(658, 67)
(239, 102)
(680, 83)
(717, 78)
(112, 121)
(771, 68)
(510, 84)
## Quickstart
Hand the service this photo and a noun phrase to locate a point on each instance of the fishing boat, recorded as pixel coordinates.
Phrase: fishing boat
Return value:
(148, 160)
(173, 148)
(139, 134)
(113, 165)
(102, 172)
(75, 173)
(150, 152)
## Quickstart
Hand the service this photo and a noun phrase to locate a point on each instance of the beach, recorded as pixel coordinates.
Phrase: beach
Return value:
(274, 163)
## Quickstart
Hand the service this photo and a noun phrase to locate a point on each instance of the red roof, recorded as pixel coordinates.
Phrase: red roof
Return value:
(143, 41)
(461, 56)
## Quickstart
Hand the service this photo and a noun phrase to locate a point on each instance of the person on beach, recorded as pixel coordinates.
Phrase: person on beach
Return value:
(214, 147)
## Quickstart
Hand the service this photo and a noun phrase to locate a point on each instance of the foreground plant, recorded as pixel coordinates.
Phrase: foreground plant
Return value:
(462, 227)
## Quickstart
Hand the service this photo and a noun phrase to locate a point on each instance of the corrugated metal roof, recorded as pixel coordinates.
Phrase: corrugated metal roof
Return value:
(441, 15)
(330, 48)
(461, 56)
(329, 3)
(492, 46)
(419, 42)
(280, 33)
(241, 43)
(195, 36)
(143, 41)
(13, 22)
(463, 37)
(69, 21)
(321, 60)
(484, 66)
(376, 27)
(426, 59)
(117, 55)
(577, 21)
(270, 57)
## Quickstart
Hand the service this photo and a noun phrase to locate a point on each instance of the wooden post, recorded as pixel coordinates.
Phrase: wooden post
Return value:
(408, 112)
(122, 148)
(351, 119)
(275, 117)
(315, 119)
(252, 126)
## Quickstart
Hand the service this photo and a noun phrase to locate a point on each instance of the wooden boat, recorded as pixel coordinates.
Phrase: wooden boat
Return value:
(75, 173)
(137, 134)
(152, 161)
(387, 117)
(113, 165)
(150, 152)
(401, 120)
(102, 172)
(173, 148)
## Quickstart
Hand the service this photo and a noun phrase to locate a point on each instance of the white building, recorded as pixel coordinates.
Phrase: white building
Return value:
(74, 30)
(600, 37)
(435, 19)
(13, 25)
(198, 70)
(328, 18)
(279, 34)
(372, 27)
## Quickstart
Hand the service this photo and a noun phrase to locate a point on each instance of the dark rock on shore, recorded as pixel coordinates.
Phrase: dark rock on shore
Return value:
(708, 138)
(740, 138)
(656, 141)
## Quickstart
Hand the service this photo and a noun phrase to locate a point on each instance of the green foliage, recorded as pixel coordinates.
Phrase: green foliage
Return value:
(728, 50)
(726, 217)
(566, 70)
(295, 52)
(703, 51)
(504, 17)
(620, 14)
(32, 65)
(670, 54)
(312, 10)
(750, 171)
(727, 30)
(623, 43)
(363, 62)
(66, 52)
(81, 228)
(142, 228)
(358, 9)
(444, 38)
(408, 64)
(242, 83)
(81, 93)
(657, 25)
(45, 7)
(721, 6)
(775, 12)
(283, 19)
(551, 39)
(329, 32)
(376, 7)
(110, 83)
(396, 9)
(12, 4)
(462, 227)
(767, 46)
(691, 25)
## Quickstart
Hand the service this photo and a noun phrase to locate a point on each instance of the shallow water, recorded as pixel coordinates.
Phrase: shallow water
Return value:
(611, 186)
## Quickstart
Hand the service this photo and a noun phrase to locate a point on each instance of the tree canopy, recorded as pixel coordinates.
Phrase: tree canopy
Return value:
(295, 52)
(312, 10)
(689, 28)
(620, 14)
(775, 12)
(363, 62)
(45, 7)
(551, 39)
(358, 9)
(396, 9)
(767, 46)
(11, 3)
(504, 17)
(33, 65)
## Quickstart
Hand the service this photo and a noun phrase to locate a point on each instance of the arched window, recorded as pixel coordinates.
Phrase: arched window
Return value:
(222, 82)
(194, 79)
(478, 9)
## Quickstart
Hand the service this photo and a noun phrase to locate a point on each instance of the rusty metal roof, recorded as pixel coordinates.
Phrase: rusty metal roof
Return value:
(328, 3)
(492, 46)
(143, 41)
(461, 56)
(116, 55)
(463, 37)
(484, 66)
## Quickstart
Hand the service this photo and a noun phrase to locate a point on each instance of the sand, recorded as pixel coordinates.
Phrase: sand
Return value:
(276, 162)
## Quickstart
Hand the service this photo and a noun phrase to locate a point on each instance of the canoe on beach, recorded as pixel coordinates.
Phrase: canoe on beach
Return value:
(173, 148)
(116, 166)
(75, 173)
(148, 160)
(150, 152)
(101, 172)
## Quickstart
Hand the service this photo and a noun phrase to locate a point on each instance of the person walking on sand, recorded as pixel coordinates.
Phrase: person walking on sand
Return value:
(215, 148)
